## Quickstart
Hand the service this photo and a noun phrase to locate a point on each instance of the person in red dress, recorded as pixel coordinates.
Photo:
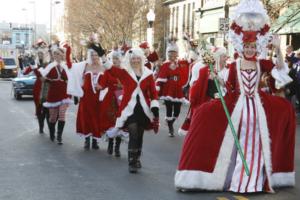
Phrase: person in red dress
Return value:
(209, 158)
(56, 73)
(202, 88)
(139, 108)
(172, 77)
(40, 88)
(94, 114)
(114, 141)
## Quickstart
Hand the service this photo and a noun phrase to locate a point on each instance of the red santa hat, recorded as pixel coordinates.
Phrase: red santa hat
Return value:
(144, 45)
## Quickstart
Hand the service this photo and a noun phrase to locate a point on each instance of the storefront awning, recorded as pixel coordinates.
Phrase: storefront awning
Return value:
(288, 22)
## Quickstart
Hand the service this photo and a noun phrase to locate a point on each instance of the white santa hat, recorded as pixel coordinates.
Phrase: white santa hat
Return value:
(172, 47)
(217, 53)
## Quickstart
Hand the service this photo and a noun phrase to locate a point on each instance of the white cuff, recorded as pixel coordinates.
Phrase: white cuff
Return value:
(154, 103)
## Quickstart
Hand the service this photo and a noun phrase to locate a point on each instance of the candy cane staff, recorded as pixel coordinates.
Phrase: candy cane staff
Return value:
(56, 74)
(172, 78)
(40, 88)
(139, 108)
(91, 121)
(209, 158)
(202, 85)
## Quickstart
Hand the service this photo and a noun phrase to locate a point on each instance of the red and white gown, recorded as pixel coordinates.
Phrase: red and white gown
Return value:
(95, 114)
(209, 159)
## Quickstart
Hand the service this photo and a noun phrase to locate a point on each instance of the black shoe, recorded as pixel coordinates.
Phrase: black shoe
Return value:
(95, 144)
(138, 159)
(132, 158)
(117, 146)
(52, 131)
(87, 143)
(60, 129)
(171, 128)
(110, 146)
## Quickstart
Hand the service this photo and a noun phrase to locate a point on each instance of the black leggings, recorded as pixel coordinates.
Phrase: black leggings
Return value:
(136, 133)
(173, 109)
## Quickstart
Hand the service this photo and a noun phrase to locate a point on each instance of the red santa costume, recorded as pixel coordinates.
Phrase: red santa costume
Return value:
(209, 159)
(199, 91)
(139, 106)
(40, 88)
(172, 78)
(95, 114)
(57, 74)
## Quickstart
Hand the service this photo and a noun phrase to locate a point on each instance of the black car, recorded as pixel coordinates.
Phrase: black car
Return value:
(23, 86)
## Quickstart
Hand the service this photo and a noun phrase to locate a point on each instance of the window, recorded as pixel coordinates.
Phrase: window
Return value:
(26, 38)
(17, 37)
(183, 18)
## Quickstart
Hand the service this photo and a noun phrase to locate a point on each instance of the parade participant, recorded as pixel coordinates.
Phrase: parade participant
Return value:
(56, 73)
(172, 78)
(40, 88)
(94, 114)
(209, 159)
(152, 57)
(139, 108)
(116, 59)
(202, 86)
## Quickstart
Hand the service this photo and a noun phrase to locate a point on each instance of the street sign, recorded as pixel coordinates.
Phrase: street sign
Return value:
(223, 25)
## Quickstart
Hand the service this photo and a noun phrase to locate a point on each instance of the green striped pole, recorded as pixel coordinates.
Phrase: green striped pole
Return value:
(236, 140)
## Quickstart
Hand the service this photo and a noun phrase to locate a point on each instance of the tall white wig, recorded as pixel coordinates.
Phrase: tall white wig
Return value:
(89, 56)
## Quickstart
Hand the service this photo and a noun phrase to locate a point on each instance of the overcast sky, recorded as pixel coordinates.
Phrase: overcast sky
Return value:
(11, 11)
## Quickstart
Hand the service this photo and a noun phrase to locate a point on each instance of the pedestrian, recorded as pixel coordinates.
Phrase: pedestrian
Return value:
(203, 88)
(57, 73)
(94, 114)
(172, 77)
(210, 158)
(41, 85)
(139, 108)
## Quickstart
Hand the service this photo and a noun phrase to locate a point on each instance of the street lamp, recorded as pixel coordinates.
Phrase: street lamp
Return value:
(51, 4)
(150, 19)
(34, 13)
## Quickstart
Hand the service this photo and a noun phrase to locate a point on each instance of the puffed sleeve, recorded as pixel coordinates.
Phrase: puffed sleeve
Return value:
(266, 65)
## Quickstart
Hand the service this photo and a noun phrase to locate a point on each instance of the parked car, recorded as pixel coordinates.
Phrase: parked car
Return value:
(9, 69)
(23, 86)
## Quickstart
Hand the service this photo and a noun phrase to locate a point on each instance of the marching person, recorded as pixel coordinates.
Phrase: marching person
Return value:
(114, 142)
(202, 84)
(96, 111)
(40, 88)
(139, 108)
(56, 73)
(152, 57)
(172, 78)
(209, 159)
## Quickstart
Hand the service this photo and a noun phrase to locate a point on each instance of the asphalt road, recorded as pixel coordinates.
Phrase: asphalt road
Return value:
(33, 168)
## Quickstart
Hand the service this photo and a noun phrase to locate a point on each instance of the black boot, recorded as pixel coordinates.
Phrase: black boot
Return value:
(171, 128)
(110, 146)
(52, 131)
(95, 144)
(87, 143)
(41, 123)
(132, 158)
(117, 146)
(60, 129)
(138, 160)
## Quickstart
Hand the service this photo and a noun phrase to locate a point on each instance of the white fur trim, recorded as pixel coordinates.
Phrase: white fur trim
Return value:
(107, 64)
(44, 71)
(58, 103)
(169, 118)
(112, 132)
(283, 179)
(157, 88)
(195, 71)
(168, 98)
(154, 103)
(161, 80)
(182, 132)
(75, 81)
(128, 110)
(84, 135)
(102, 94)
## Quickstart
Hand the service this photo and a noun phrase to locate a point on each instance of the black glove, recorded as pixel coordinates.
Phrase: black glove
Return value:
(76, 100)
(155, 111)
